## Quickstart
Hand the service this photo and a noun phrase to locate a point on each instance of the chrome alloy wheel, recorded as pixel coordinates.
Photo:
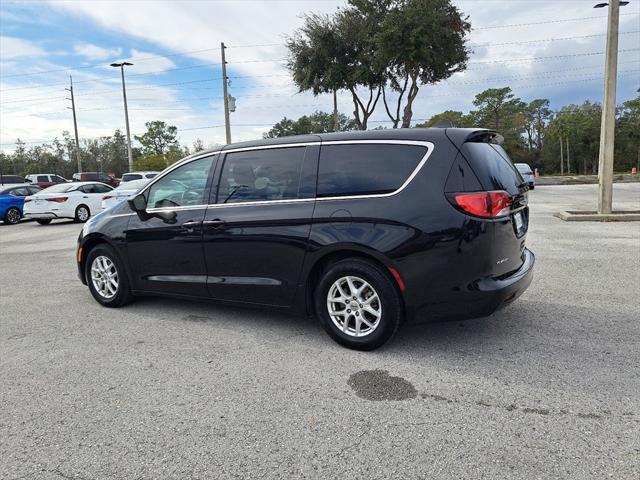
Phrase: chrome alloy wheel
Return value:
(13, 216)
(104, 277)
(354, 306)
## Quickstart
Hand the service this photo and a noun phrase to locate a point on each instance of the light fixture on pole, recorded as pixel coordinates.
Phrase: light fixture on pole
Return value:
(608, 122)
(121, 65)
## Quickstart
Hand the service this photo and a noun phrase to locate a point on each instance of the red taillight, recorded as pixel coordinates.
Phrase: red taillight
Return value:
(57, 199)
(483, 204)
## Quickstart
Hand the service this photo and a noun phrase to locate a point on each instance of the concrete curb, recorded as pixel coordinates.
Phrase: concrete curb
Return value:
(582, 216)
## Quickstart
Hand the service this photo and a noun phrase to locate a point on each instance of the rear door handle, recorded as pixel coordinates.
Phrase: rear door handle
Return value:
(216, 223)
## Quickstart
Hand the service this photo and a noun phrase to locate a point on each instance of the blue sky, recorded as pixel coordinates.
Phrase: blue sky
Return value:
(546, 49)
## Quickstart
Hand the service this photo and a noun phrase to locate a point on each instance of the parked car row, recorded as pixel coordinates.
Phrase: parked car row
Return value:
(44, 180)
(73, 200)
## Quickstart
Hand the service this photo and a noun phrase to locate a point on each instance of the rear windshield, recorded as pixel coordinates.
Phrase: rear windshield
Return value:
(492, 166)
(59, 188)
(127, 177)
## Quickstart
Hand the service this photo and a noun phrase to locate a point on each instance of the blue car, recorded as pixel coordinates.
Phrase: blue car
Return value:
(12, 201)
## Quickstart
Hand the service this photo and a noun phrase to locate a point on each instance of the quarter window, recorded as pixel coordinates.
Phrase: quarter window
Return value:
(366, 169)
(261, 175)
(184, 186)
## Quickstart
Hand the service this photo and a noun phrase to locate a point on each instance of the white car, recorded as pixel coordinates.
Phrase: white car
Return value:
(122, 192)
(78, 200)
(527, 174)
(129, 177)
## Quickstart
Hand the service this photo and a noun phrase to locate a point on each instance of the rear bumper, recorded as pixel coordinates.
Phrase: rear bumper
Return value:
(482, 297)
(43, 215)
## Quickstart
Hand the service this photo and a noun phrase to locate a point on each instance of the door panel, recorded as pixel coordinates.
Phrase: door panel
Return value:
(255, 244)
(164, 245)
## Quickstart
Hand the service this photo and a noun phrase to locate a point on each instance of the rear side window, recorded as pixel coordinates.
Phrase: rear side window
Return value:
(261, 175)
(20, 192)
(34, 190)
(493, 167)
(127, 177)
(56, 178)
(99, 188)
(366, 169)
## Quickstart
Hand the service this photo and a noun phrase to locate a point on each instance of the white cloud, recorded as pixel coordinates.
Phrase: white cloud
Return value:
(94, 52)
(12, 47)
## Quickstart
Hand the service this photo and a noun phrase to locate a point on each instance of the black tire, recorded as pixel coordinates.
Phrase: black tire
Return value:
(388, 293)
(531, 187)
(43, 221)
(123, 294)
(12, 216)
(79, 214)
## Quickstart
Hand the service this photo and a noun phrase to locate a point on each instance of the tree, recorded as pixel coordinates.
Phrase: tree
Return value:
(337, 53)
(317, 122)
(198, 146)
(627, 153)
(457, 119)
(537, 114)
(420, 42)
(158, 139)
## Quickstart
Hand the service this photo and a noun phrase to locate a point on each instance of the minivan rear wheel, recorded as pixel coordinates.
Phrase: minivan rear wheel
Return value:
(358, 304)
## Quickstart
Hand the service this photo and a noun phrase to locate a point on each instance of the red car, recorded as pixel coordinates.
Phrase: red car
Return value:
(44, 180)
(96, 177)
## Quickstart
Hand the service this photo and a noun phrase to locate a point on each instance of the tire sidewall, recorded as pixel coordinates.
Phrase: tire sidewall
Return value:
(77, 217)
(392, 310)
(123, 295)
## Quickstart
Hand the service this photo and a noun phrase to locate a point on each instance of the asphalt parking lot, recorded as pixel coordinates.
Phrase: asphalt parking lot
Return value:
(547, 388)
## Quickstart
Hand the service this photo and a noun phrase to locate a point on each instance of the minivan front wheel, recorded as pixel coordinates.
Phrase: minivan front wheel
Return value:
(106, 277)
(358, 304)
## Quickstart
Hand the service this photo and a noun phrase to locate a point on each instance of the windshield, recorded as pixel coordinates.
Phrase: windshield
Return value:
(523, 168)
(61, 187)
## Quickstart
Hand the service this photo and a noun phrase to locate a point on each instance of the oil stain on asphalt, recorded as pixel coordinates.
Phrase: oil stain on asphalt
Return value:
(378, 385)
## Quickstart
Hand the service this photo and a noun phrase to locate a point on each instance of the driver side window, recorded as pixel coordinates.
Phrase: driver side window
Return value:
(184, 186)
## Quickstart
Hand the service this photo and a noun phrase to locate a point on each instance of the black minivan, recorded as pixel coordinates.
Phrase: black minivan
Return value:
(366, 230)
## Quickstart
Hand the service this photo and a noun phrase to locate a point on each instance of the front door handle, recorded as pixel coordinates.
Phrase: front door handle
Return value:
(216, 223)
(191, 225)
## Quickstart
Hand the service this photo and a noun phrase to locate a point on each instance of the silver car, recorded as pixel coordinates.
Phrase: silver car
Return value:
(527, 174)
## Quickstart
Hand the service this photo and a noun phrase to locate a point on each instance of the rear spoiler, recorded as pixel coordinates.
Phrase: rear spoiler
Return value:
(459, 136)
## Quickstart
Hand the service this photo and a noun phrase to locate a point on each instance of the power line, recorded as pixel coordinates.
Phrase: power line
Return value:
(190, 52)
(523, 42)
(562, 20)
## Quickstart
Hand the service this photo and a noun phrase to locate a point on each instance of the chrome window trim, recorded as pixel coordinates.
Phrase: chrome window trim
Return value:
(429, 145)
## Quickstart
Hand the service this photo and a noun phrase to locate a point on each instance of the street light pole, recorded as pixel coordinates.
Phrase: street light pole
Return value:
(126, 111)
(608, 122)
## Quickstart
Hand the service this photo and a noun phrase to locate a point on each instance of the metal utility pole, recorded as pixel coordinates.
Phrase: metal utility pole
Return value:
(121, 65)
(608, 123)
(227, 126)
(75, 122)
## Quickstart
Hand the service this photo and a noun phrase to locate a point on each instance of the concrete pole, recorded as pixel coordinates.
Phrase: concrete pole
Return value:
(608, 124)
(227, 126)
(126, 117)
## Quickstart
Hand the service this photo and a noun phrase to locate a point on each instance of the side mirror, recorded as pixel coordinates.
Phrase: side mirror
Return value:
(138, 203)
